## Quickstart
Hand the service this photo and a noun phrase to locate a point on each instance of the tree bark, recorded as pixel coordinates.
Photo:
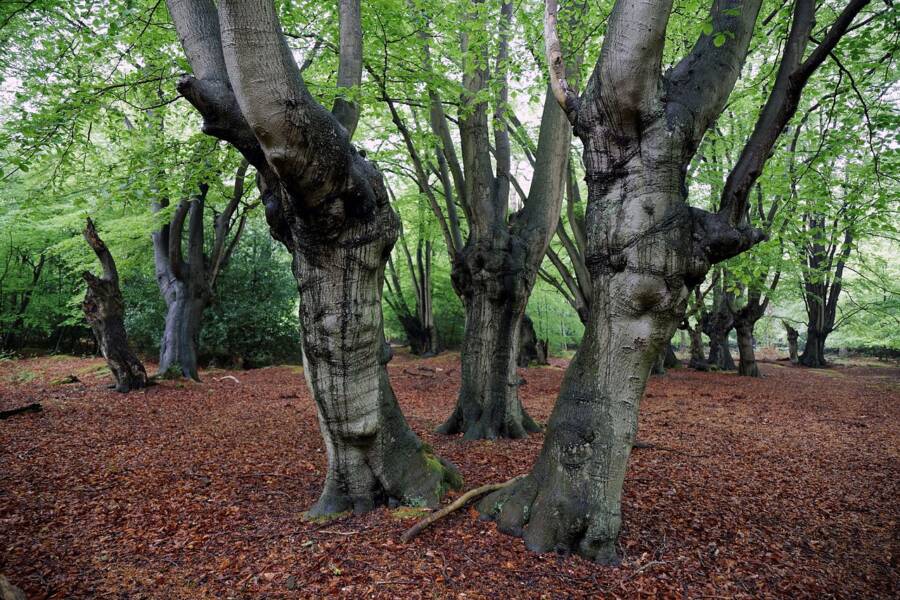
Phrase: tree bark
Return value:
(104, 310)
(329, 206)
(374, 457)
(488, 404)
(747, 364)
(792, 337)
(531, 349)
(698, 358)
(178, 351)
(814, 350)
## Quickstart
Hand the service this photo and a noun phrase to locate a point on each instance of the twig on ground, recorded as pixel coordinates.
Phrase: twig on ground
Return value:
(453, 506)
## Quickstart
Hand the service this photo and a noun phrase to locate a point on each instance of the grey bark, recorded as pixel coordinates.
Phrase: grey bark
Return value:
(328, 205)
(646, 250)
(104, 309)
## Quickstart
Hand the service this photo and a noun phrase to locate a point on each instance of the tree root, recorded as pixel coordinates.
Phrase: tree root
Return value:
(454, 506)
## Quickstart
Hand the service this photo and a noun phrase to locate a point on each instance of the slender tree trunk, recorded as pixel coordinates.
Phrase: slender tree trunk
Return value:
(104, 310)
(792, 337)
(670, 361)
(373, 455)
(659, 364)
(488, 406)
(814, 351)
(698, 358)
(747, 365)
(178, 350)
(531, 349)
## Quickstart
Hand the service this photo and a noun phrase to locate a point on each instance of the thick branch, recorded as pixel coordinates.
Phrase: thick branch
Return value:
(110, 273)
(350, 65)
(565, 95)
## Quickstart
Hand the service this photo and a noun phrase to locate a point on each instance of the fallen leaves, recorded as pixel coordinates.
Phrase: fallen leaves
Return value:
(753, 488)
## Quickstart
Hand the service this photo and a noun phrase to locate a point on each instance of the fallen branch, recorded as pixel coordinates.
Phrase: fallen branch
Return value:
(33, 407)
(453, 506)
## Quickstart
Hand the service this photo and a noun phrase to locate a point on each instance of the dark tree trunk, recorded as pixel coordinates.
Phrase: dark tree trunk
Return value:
(814, 350)
(792, 338)
(671, 361)
(747, 365)
(488, 405)
(104, 310)
(698, 358)
(659, 364)
(531, 349)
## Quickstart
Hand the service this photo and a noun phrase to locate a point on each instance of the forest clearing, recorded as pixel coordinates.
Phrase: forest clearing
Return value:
(780, 486)
(449, 298)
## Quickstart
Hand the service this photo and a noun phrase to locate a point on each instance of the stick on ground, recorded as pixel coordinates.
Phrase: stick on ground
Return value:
(453, 506)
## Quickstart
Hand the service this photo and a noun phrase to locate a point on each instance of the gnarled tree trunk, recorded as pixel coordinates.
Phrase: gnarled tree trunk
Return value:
(374, 457)
(814, 349)
(698, 358)
(792, 337)
(747, 364)
(531, 349)
(178, 348)
(104, 310)
(329, 206)
(646, 248)
(488, 405)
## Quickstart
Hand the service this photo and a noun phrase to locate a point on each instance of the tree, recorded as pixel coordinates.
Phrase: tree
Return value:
(417, 323)
(329, 206)
(646, 248)
(188, 284)
(495, 267)
(104, 310)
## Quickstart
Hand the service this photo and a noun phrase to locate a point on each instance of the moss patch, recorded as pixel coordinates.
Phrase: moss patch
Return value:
(322, 519)
(409, 512)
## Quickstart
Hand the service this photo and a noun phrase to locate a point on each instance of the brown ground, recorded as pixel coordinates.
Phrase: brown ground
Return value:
(786, 486)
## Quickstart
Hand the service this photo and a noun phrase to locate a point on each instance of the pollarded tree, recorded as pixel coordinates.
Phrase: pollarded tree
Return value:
(646, 248)
(495, 263)
(328, 205)
(104, 310)
(187, 284)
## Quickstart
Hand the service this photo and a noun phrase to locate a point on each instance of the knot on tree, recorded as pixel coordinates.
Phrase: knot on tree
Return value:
(715, 239)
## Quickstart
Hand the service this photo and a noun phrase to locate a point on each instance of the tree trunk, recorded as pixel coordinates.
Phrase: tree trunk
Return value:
(670, 361)
(373, 456)
(698, 358)
(792, 337)
(747, 365)
(659, 364)
(104, 310)
(531, 349)
(488, 406)
(814, 351)
(181, 336)
(719, 354)
(571, 499)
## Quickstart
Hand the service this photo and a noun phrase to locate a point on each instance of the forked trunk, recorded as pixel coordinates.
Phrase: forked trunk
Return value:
(814, 351)
(373, 456)
(488, 405)
(181, 336)
(747, 365)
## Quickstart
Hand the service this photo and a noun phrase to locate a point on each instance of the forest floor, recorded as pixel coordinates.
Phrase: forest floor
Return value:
(784, 486)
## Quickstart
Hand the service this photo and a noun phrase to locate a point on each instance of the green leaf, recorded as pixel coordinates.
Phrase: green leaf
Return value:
(719, 40)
